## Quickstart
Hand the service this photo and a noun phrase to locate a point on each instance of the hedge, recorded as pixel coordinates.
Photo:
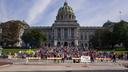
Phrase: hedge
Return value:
(12, 51)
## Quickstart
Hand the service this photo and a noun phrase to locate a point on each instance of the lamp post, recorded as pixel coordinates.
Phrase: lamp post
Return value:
(0, 41)
(1, 51)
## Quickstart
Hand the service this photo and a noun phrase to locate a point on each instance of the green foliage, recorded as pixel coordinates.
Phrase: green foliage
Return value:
(34, 37)
(12, 51)
(120, 32)
(114, 34)
(102, 39)
(116, 50)
(120, 49)
(120, 29)
(11, 32)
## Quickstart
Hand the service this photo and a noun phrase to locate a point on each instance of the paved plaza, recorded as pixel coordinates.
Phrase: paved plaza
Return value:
(65, 67)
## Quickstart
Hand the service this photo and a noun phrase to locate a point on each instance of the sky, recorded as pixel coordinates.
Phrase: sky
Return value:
(43, 12)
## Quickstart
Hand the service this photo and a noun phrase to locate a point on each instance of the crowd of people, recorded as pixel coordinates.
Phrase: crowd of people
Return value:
(67, 53)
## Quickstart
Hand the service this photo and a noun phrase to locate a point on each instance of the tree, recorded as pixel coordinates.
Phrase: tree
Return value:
(113, 34)
(11, 32)
(102, 39)
(34, 37)
(120, 32)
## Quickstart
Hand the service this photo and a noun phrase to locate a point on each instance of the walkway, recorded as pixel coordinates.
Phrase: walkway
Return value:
(63, 67)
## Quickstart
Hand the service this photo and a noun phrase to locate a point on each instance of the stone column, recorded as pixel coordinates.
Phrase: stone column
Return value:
(76, 42)
(75, 34)
(87, 39)
(61, 43)
(55, 43)
(55, 37)
(87, 36)
(62, 33)
(55, 34)
(69, 33)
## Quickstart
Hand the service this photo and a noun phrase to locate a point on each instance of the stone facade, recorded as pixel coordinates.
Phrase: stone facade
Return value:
(65, 31)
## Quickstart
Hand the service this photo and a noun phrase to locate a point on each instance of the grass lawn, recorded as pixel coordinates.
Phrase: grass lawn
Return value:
(12, 51)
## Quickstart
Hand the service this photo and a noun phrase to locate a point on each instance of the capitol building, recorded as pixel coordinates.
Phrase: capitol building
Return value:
(66, 31)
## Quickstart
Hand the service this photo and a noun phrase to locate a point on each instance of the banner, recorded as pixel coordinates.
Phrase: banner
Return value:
(85, 59)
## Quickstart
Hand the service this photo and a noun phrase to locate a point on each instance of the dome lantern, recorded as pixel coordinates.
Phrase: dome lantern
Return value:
(65, 3)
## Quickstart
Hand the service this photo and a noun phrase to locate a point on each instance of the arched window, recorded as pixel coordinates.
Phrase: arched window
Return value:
(58, 44)
(65, 44)
(72, 44)
(70, 16)
(61, 17)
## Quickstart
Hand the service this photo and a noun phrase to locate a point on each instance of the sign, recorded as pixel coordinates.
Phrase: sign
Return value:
(85, 59)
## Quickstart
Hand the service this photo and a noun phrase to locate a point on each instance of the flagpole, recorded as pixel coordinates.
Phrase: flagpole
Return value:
(120, 14)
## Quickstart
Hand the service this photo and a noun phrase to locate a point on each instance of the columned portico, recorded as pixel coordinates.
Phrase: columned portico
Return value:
(67, 26)
(65, 37)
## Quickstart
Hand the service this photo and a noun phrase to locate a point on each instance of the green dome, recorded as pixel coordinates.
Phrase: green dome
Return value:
(65, 9)
(65, 13)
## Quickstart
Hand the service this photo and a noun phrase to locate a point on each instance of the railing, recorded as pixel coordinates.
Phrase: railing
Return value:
(53, 60)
